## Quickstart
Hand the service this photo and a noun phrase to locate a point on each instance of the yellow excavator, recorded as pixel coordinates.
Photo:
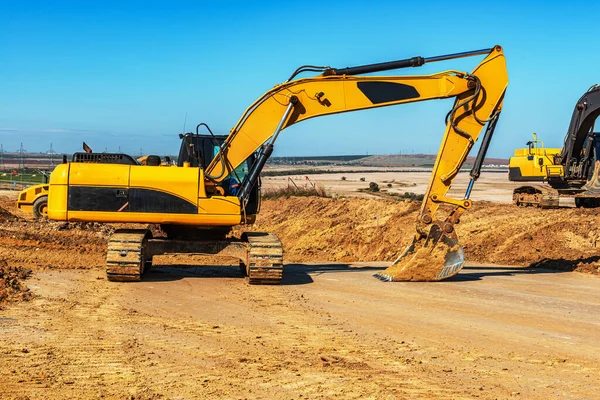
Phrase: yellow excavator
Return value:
(567, 176)
(216, 184)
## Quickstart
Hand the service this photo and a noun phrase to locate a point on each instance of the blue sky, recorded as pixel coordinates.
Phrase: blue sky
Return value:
(125, 73)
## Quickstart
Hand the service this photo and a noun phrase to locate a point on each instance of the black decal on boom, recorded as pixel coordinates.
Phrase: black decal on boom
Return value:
(385, 92)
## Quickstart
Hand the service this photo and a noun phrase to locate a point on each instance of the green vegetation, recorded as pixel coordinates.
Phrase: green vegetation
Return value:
(24, 176)
(409, 196)
(373, 187)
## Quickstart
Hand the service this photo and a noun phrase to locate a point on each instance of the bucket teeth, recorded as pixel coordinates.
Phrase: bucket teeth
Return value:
(383, 277)
(436, 257)
(265, 258)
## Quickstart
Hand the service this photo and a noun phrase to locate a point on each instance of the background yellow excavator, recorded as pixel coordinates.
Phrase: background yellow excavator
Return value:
(216, 184)
(567, 176)
(34, 200)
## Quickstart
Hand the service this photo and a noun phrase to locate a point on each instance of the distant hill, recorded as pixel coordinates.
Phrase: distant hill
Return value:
(317, 159)
(418, 160)
(386, 160)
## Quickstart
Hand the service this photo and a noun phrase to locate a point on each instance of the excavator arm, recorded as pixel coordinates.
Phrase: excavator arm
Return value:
(576, 155)
(478, 100)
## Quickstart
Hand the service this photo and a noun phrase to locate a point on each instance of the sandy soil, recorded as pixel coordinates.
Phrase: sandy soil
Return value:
(330, 331)
(316, 229)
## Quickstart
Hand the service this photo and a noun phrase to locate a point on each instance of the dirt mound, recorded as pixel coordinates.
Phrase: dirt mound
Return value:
(317, 229)
(6, 216)
(12, 287)
(48, 244)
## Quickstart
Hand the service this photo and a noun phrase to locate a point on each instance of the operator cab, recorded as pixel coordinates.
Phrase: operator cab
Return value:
(200, 149)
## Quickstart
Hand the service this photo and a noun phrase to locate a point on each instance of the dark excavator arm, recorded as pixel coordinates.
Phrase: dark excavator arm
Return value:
(579, 135)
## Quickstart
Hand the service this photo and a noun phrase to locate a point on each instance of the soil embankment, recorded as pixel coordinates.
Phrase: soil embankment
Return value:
(348, 230)
(315, 229)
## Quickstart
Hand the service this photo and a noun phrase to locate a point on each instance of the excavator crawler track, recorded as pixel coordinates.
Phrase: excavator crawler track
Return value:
(265, 258)
(126, 257)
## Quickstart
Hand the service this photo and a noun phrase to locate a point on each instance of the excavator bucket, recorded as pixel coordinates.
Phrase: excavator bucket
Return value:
(592, 187)
(436, 257)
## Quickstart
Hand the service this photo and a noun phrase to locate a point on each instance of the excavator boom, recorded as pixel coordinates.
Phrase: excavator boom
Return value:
(587, 109)
(478, 101)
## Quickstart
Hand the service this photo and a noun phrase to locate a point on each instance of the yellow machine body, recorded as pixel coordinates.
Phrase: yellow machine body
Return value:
(138, 194)
(194, 190)
(534, 163)
(27, 197)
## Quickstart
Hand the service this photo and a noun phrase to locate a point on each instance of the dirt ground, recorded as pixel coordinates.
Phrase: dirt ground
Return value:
(315, 229)
(330, 331)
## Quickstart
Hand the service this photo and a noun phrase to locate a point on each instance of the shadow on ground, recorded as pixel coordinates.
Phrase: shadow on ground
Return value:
(293, 274)
(588, 264)
(545, 266)
(301, 274)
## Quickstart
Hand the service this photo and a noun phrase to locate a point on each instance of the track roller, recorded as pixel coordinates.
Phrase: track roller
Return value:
(265, 258)
(126, 258)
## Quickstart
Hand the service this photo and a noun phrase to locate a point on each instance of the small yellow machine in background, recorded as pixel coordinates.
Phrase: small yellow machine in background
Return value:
(567, 176)
(34, 200)
(533, 163)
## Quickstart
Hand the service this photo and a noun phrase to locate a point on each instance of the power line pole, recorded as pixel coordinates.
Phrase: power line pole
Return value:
(22, 152)
(51, 152)
(1, 156)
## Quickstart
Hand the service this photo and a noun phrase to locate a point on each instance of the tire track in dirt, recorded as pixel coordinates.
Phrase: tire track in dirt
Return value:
(203, 333)
(85, 337)
(69, 336)
(276, 347)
